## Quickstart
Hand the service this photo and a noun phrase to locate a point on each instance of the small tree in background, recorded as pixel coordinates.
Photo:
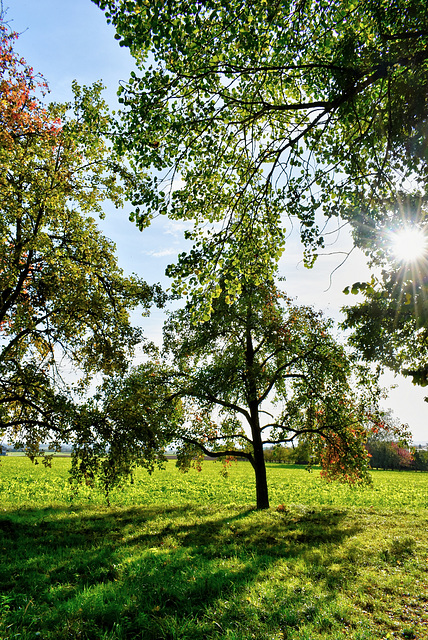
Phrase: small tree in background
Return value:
(279, 454)
(420, 459)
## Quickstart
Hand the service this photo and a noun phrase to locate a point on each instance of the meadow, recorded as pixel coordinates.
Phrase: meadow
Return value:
(187, 556)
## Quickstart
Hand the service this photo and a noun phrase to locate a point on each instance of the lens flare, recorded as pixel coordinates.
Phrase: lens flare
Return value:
(409, 245)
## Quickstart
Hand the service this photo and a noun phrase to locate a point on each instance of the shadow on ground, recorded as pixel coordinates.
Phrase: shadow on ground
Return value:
(156, 573)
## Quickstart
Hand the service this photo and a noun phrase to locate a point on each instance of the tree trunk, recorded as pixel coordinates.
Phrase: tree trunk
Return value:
(261, 482)
(258, 460)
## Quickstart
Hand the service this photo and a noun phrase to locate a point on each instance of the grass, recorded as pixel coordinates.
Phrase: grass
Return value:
(188, 557)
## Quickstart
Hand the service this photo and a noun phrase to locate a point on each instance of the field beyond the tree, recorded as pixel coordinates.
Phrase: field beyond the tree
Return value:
(187, 556)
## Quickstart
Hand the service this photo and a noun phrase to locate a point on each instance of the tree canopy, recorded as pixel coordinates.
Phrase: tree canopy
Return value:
(263, 371)
(62, 293)
(257, 116)
(250, 113)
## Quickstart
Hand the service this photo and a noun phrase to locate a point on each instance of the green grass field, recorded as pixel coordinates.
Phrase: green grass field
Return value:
(188, 557)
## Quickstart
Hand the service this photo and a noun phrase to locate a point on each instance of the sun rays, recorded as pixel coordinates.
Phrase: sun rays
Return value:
(409, 245)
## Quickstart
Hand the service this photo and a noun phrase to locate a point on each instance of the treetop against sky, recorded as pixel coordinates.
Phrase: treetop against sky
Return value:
(66, 41)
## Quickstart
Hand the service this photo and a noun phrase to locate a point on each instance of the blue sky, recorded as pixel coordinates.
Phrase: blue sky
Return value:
(69, 39)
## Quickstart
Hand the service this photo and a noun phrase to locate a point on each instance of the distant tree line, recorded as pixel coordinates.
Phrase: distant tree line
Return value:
(384, 454)
(390, 455)
(298, 454)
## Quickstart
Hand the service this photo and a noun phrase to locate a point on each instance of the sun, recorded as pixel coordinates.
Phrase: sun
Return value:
(409, 244)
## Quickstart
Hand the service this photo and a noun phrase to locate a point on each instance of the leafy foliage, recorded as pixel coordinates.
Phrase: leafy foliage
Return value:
(128, 423)
(420, 459)
(21, 112)
(63, 297)
(245, 121)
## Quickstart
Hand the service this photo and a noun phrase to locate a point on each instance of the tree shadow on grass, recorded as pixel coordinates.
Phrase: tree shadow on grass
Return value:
(155, 573)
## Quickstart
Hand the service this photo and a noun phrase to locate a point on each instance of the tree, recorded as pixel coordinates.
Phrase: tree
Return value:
(390, 326)
(258, 121)
(326, 119)
(63, 296)
(420, 459)
(261, 372)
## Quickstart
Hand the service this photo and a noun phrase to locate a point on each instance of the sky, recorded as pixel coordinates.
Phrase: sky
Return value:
(68, 40)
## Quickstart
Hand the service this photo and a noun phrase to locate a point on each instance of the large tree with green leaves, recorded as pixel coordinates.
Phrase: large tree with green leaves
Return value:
(262, 371)
(265, 110)
(63, 297)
